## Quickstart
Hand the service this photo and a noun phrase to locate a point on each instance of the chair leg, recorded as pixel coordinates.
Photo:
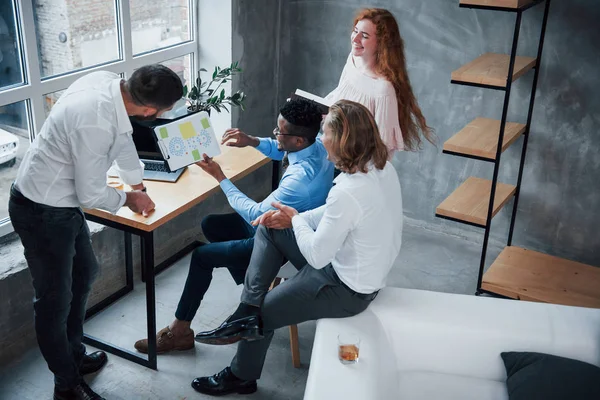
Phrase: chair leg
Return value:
(294, 346)
(275, 282)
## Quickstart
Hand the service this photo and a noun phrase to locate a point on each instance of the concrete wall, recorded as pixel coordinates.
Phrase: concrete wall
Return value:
(558, 209)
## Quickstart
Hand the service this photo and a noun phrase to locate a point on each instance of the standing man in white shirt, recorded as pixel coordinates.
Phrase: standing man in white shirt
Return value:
(344, 251)
(63, 170)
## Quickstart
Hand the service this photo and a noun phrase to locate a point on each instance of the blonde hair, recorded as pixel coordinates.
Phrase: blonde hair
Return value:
(356, 141)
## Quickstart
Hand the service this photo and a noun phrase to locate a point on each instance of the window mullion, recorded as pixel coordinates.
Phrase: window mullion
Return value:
(126, 36)
(32, 62)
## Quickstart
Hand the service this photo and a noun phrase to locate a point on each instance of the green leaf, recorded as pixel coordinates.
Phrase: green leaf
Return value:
(185, 91)
(222, 94)
(198, 81)
(215, 73)
(201, 70)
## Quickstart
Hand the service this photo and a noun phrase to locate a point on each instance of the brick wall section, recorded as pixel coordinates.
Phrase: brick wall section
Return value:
(51, 19)
(83, 20)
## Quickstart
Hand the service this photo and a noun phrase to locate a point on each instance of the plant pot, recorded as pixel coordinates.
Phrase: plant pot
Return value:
(191, 110)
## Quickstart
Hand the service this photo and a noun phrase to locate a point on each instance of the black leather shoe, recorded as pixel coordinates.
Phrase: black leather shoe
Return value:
(247, 328)
(223, 383)
(92, 362)
(79, 392)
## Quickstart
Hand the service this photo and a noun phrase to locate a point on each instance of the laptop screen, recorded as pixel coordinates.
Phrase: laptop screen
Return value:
(145, 142)
(144, 139)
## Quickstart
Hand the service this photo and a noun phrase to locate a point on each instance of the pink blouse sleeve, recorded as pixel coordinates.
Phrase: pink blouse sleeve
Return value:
(333, 96)
(386, 117)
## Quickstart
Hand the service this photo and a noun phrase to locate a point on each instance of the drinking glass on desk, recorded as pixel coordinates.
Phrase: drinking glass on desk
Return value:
(348, 347)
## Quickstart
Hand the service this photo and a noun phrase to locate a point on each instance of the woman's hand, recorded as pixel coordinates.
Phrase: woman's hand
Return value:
(281, 218)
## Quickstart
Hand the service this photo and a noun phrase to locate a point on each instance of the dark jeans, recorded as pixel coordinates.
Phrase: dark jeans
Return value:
(63, 266)
(232, 240)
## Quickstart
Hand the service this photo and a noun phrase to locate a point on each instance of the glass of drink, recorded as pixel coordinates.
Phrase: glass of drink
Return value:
(348, 346)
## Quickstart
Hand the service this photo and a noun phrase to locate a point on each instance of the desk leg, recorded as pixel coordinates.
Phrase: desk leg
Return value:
(148, 271)
(128, 261)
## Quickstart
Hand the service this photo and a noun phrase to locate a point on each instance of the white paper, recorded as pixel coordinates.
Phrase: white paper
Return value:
(183, 142)
(313, 97)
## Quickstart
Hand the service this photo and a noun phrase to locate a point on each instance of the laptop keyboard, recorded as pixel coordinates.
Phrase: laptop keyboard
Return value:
(155, 166)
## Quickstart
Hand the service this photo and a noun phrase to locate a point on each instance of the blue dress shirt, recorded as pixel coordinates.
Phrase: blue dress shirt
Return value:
(304, 185)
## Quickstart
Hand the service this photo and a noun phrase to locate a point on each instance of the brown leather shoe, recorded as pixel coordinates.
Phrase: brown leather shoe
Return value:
(166, 341)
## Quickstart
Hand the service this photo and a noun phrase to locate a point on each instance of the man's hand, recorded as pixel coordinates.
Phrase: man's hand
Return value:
(281, 218)
(139, 202)
(211, 167)
(236, 138)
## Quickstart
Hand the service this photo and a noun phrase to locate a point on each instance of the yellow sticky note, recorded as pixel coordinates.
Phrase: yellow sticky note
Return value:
(187, 130)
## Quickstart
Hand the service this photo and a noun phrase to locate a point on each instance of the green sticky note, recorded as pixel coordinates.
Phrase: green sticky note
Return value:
(196, 155)
(163, 133)
(205, 123)
(187, 130)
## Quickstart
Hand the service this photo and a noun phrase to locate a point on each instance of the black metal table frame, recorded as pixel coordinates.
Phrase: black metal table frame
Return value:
(149, 272)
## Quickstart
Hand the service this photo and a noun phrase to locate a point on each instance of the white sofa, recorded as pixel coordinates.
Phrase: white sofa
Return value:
(437, 346)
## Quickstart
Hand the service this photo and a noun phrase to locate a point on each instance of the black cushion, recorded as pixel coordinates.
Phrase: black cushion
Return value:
(533, 376)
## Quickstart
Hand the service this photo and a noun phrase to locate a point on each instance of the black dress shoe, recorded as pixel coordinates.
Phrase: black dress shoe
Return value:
(247, 328)
(92, 362)
(223, 383)
(80, 392)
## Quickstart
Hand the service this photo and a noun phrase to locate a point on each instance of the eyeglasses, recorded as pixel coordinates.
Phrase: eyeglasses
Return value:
(277, 132)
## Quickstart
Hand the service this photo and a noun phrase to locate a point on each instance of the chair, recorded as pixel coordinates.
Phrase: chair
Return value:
(286, 272)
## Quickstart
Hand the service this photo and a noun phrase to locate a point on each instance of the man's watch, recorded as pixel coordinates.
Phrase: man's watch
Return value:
(144, 189)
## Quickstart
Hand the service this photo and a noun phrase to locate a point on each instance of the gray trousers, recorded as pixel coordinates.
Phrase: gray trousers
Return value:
(310, 294)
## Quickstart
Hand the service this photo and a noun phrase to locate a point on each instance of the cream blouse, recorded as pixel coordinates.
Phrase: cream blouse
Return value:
(378, 95)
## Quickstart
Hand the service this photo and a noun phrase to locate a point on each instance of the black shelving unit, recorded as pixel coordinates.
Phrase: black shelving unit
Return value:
(451, 207)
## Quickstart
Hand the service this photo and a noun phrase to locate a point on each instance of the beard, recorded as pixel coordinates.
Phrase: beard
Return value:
(151, 117)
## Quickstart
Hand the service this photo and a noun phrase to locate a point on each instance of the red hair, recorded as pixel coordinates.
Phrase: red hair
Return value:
(390, 63)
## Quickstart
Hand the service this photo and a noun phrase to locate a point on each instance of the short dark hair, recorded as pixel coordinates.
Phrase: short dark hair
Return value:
(304, 114)
(155, 86)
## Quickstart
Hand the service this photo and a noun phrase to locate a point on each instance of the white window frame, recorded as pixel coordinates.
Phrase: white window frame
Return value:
(36, 86)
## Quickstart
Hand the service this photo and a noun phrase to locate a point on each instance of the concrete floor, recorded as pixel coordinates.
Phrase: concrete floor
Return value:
(428, 260)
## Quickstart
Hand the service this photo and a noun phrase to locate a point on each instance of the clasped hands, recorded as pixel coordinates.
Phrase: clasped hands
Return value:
(280, 218)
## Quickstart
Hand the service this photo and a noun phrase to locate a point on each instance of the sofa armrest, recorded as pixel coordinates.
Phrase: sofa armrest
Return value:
(373, 377)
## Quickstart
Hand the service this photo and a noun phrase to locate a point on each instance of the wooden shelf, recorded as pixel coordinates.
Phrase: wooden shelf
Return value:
(480, 138)
(491, 69)
(497, 3)
(528, 275)
(469, 203)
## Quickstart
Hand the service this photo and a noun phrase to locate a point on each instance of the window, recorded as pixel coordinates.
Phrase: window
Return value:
(45, 45)
(158, 24)
(72, 35)
(14, 141)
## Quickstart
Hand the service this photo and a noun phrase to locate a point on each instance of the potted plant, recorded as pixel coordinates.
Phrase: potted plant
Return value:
(205, 96)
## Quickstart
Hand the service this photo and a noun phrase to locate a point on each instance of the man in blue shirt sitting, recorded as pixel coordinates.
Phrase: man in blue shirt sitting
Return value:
(304, 186)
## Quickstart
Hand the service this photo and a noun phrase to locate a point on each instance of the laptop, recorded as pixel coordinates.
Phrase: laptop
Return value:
(155, 167)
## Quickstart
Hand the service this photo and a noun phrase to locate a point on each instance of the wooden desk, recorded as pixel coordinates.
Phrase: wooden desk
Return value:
(171, 199)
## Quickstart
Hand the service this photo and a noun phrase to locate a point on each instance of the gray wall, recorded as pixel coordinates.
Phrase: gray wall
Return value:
(561, 186)
(255, 42)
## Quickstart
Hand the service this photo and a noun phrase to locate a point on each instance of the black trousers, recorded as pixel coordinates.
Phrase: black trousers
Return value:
(232, 239)
(62, 263)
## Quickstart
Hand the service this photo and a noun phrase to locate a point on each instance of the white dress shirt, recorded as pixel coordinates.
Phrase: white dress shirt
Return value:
(358, 230)
(87, 129)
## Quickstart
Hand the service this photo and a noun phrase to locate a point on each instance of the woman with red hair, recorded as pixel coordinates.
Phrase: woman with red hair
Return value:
(375, 76)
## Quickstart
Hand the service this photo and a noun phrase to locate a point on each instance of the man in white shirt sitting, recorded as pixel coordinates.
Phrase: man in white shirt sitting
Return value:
(344, 251)
(63, 170)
